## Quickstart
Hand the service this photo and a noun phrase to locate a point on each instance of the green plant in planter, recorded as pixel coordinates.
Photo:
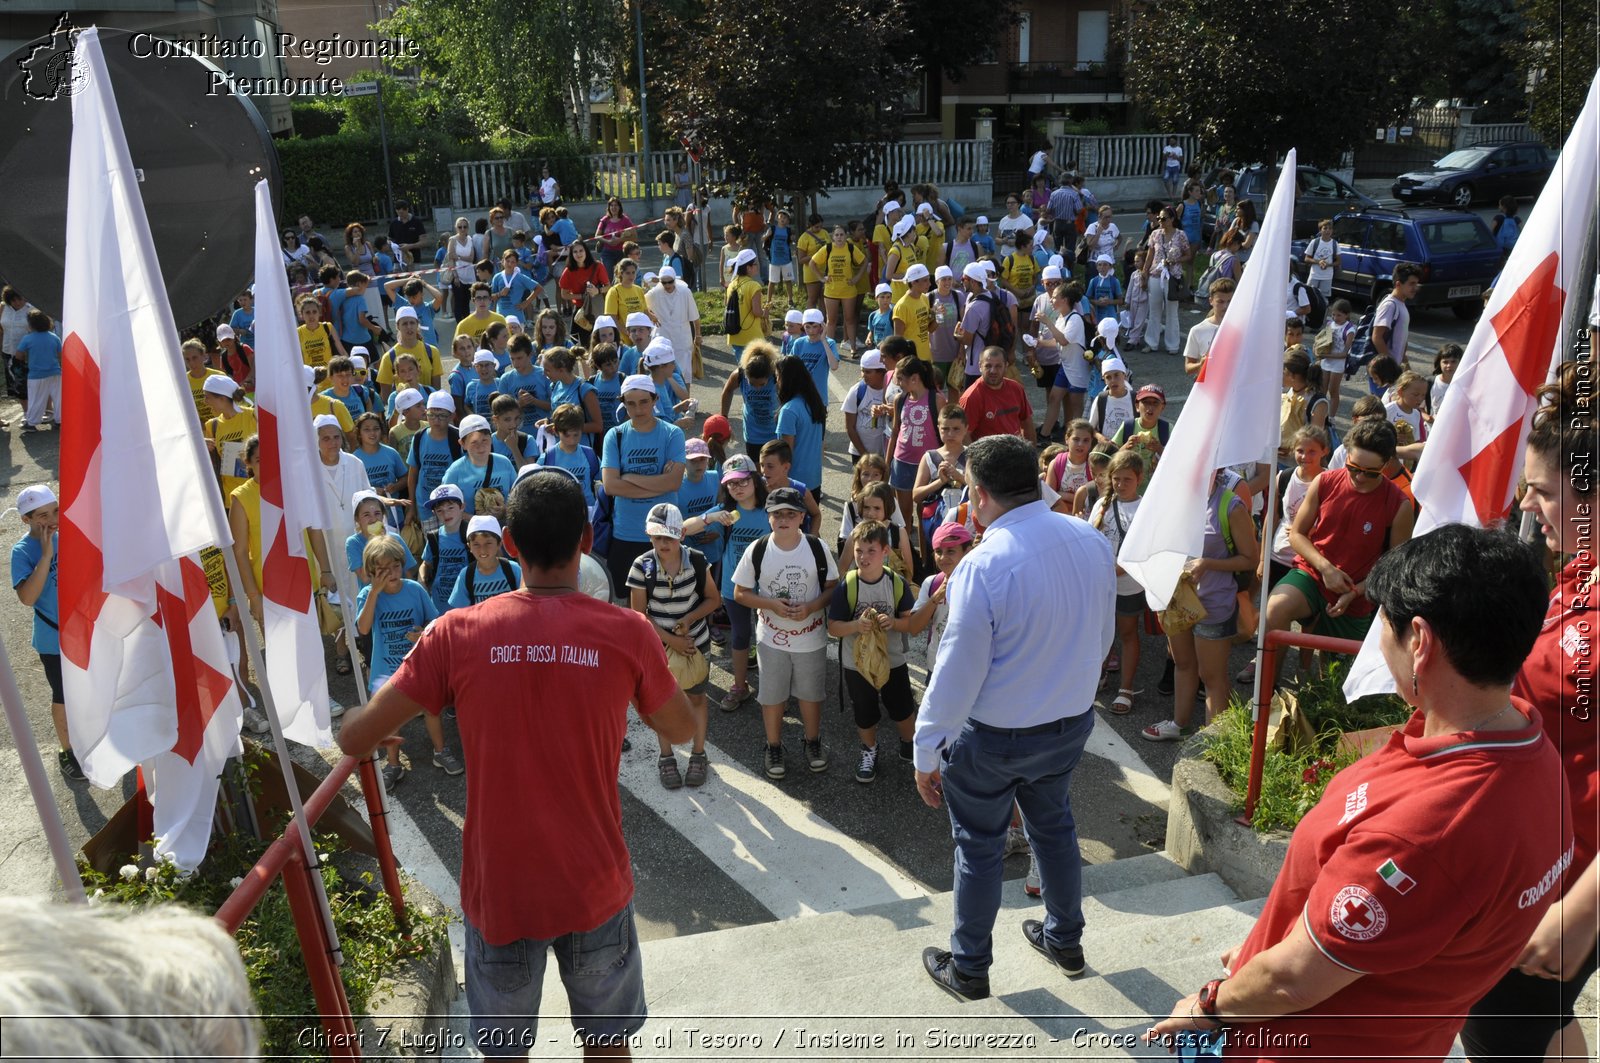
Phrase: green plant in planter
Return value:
(374, 946)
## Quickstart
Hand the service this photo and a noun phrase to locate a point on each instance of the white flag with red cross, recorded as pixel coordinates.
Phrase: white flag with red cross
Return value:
(145, 669)
(1469, 469)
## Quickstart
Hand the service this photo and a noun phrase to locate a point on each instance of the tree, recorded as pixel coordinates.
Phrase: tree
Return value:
(1488, 69)
(945, 35)
(1253, 78)
(524, 66)
(1560, 46)
(783, 96)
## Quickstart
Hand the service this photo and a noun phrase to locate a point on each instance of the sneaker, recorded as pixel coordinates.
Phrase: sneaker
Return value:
(335, 710)
(773, 762)
(735, 697)
(70, 767)
(392, 774)
(446, 761)
(1165, 731)
(867, 770)
(1070, 960)
(1166, 684)
(719, 637)
(816, 756)
(449, 712)
(907, 751)
(256, 720)
(941, 967)
(1247, 675)
(667, 768)
(1030, 885)
(1016, 841)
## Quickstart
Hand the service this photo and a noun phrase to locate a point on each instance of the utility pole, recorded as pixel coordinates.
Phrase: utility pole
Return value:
(644, 112)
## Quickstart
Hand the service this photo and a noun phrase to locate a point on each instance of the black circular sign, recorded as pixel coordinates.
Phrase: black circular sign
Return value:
(200, 157)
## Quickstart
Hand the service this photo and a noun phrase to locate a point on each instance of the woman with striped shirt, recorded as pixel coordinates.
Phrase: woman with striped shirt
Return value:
(672, 585)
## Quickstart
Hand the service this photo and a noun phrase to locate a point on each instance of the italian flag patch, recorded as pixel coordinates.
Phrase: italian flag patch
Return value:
(1390, 873)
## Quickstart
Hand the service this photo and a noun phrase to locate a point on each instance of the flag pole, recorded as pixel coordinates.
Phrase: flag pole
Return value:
(55, 831)
(1268, 530)
(252, 646)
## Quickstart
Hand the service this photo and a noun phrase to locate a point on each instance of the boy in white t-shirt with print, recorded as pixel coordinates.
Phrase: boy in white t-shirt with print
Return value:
(788, 577)
(1112, 406)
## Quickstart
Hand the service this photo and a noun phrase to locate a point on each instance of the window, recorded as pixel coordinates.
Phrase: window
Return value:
(1024, 37)
(1094, 33)
(1348, 231)
(1451, 237)
(1388, 236)
(915, 101)
(1322, 185)
(1528, 156)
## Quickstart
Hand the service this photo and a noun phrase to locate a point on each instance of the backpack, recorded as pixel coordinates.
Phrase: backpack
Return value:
(472, 579)
(451, 436)
(432, 543)
(852, 587)
(647, 563)
(1319, 306)
(601, 518)
(1224, 504)
(731, 321)
(1001, 332)
(758, 551)
(1361, 350)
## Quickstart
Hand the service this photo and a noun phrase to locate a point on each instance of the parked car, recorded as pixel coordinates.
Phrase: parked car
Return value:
(1481, 172)
(1455, 249)
(1321, 194)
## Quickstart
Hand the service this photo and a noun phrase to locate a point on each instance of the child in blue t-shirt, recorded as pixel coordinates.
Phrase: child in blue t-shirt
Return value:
(369, 513)
(739, 518)
(433, 450)
(243, 320)
(33, 577)
(392, 611)
(444, 553)
(1104, 291)
(572, 453)
(982, 236)
(880, 323)
(631, 357)
(780, 256)
(698, 493)
(41, 349)
(349, 306)
(491, 572)
(481, 392)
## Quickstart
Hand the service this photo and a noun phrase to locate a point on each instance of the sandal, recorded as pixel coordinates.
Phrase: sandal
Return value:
(1122, 704)
(341, 665)
(668, 768)
(1114, 662)
(696, 775)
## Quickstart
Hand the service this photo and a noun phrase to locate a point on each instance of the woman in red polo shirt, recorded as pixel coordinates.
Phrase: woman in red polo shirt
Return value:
(1536, 997)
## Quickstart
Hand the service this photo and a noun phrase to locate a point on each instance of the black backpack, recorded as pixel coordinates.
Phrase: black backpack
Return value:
(759, 551)
(472, 579)
(1319, 306)
(651, 577)
(730, 312)
(1361, 349)
(1001, 332)
(452, 439)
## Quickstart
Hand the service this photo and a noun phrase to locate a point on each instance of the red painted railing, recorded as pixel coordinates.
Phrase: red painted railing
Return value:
(1275, 642)
(287, 857)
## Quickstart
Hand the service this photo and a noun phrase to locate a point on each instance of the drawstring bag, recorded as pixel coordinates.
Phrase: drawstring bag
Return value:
(872, 653)
(689, 669)
(1184, 611)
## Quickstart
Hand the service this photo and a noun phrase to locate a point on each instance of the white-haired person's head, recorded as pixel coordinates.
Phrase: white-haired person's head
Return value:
(108, 982)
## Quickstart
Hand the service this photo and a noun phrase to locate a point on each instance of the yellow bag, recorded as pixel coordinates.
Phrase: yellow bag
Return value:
(872, 653)
(697, 365)
(956, 377)
(1184, 611)
(490, 501)
(689, 669)
(413, 536)
(329, 618)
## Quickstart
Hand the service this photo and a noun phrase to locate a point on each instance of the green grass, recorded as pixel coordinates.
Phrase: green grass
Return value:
(711, 304)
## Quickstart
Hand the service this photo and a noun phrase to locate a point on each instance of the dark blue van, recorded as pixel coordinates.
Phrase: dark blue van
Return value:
(1455, 249)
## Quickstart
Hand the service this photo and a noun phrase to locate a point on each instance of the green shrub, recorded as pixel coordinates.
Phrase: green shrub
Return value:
(317, 118)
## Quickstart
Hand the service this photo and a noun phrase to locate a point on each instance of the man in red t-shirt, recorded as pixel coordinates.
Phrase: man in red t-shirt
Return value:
(995, 404)
(1413, 885)
(1349, 518)
(541, 680)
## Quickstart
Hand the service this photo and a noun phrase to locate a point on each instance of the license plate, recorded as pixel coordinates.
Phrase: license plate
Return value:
(1464, 291)
(1406, 192)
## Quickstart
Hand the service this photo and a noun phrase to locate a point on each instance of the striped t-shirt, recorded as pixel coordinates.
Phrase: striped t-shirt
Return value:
(674, 597)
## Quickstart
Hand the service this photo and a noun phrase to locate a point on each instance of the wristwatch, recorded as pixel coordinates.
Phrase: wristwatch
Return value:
(1207, 1001)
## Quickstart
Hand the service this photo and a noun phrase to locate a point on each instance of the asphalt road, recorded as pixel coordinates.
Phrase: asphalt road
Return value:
(743, 850)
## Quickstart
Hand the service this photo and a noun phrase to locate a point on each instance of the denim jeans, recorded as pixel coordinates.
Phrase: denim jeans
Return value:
(984, 770)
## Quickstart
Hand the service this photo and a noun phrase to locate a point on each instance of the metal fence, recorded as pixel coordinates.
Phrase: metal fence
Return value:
(1483, 134)
(1133, 155)
(629, 174)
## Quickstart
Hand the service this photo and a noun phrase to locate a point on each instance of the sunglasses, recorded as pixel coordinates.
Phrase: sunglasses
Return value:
(1357, 471)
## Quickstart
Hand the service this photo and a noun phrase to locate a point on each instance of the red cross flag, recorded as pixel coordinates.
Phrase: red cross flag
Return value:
(1470, 466)
(1230, 416)
(292, 500)
(143, 661)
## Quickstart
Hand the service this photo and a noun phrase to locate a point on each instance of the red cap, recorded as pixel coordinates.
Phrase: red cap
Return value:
(716, 427)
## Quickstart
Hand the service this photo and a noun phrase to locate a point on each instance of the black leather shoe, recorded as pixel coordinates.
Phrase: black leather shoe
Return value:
(941, 967)
(1069, 960)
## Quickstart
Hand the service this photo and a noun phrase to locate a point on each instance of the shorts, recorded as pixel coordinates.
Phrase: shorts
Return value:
(52, 675)
(601, 969)
(1066, 385)
(619, 559)
(741, 624)
(1276, 570)
(1225, 628)
(777, 274)
(785, 674)
(1131, 604)
(895, 696)
(1517, 1017)
(1339, 627)
(902, 475)
(1333, 366)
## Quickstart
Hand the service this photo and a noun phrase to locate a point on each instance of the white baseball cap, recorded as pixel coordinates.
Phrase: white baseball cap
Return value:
(982, 219)
(326, 420)
(943, 272)
(793, 317)
(220, 385)
(473, 422)
(903, 226)
(406, 313)
(309, 376)
(639, 319)
(513, 319)
(925, 208)
(358, 361)
(446, 493)
(484, 523)
(882, 289)
(485, 357)
(358, 352)
(891, 206)
(224, 332)
(35, 497)
(658, 352)
(744, 258)
(442, 400)
(639, 382)
(1057, 261)
(918, 272)
(604, 321)
(667, 274)
(1109, 327)
(408, 398)
(974, 271)
(666, 519)
(1113, 365)
(648, 279)
(813, 316)
(1107, 259)
(872, 360)
(1050, 273)
(361, 496)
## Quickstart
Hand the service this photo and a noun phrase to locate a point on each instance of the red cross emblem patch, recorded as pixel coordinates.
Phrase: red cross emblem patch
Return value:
(1357, 914)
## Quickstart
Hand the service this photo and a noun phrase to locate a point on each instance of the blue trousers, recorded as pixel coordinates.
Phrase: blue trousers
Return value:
(985, 769)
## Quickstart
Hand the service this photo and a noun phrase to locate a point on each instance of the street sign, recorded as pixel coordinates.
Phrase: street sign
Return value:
(361, 88)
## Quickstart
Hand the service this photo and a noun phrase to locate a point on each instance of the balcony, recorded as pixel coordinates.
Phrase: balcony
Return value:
(1064, 79)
